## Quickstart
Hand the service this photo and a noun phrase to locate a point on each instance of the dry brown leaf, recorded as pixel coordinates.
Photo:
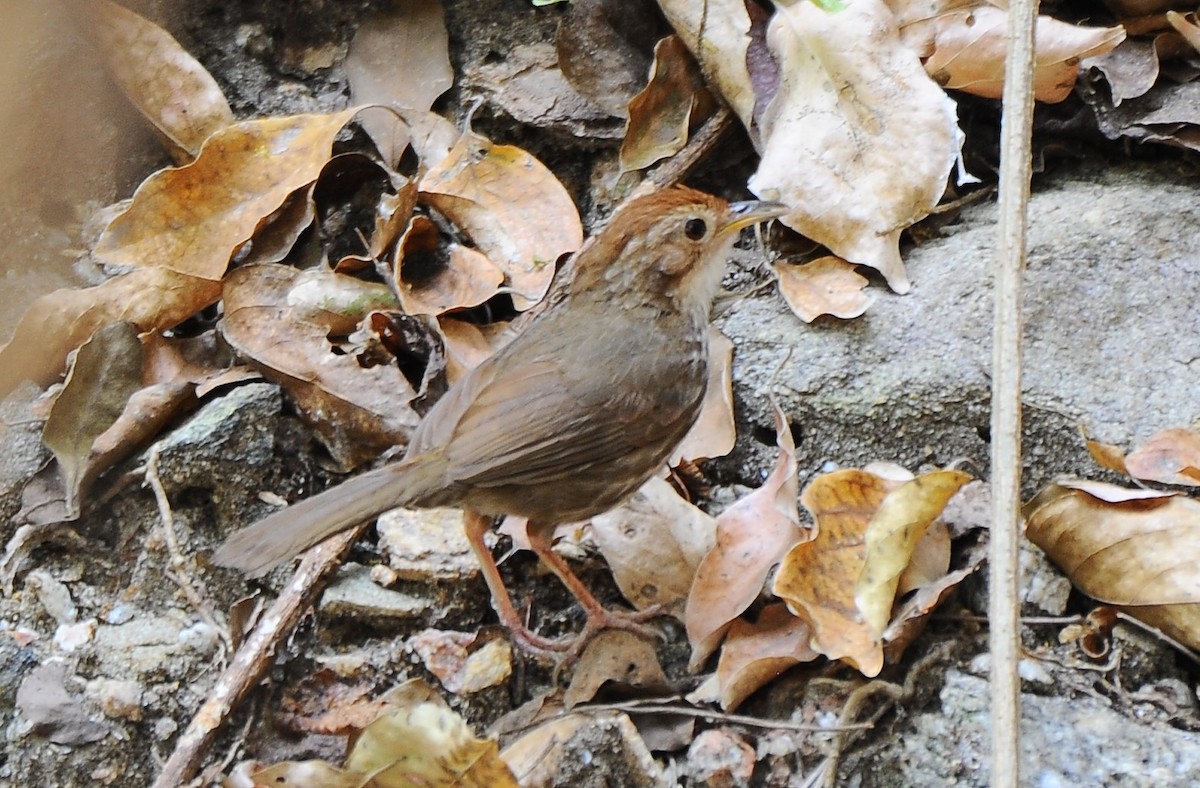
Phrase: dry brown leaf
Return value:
(616, 657)
(827, 286)
(910, 618)
(653, 543)
(752, 535)
(278, 232)
(422, 741)
(856, 165)
(603, 49)
(1186, 26)
(399, 57)
(1130, 69)
(892, 536)
(1106, 455)
(1133, 549)
(963, 47)
(192, 219)
(930, 560)
(512, 207)
(462, 661)
(755, 654)
(153, 299)
(468, 344)
(106, 373)
(718, 33)
(818, 578)
(543, 755)
(433, 280)
(715, 431)
(167, 85)
(662, 114)
(357, 412)
(1168, 457)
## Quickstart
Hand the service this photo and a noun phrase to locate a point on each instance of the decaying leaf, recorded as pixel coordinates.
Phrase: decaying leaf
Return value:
(399, 57)
(662, 114)
(546, 752)
(615, 657)
(653, 543)
(513, 208)
(422, 741)
(467, 344)
(963, 47)
(752, 535)
(192, 219)
(434, 279)
(153, 299)
(844, 581)
(603, 49)
(464, 662)
(357, 412)
(756, 653)
(715, 432)
(167, 85)
(856, 165)
(827, 286)
(1169, 457)
(717, 33)
(106, 373)
(1135, 549)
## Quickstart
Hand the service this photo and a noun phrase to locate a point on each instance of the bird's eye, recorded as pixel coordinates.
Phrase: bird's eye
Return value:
(695, 229)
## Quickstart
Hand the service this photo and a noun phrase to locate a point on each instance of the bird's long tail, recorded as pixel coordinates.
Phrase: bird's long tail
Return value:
(276, 538)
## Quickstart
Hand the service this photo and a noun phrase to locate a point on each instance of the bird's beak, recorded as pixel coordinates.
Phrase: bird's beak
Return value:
(744, 214)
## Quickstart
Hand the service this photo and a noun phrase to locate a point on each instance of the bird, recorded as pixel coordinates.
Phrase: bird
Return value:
(566, 421)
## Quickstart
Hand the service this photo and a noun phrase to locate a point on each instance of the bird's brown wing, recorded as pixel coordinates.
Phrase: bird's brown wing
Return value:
(532, 425)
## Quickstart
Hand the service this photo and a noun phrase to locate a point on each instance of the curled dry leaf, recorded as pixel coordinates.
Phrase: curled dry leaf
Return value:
(106, 373)
(756, 653)
(432, 280)
(467, 344)
(616, 657)
(512, 207)
(278, 232)
(1130, 70)
(818, 578)
(1106, 455)
(662, 114)
(399, 57)
(358, 412)
(963, 47)
(1169, 457)
(153, 299)
(827, 286)
(653, 543)
(752, 535)
(428, 744)
(855, 166)
(715, 431)
(1186, 26)
(892, 536)
(167, 85)
(1136, 549)
(192, 219)
(718, 34)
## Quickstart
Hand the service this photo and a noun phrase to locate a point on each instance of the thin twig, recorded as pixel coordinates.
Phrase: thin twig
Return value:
(651, 707)
(1004, 575)
(254, 659)
(177, 566)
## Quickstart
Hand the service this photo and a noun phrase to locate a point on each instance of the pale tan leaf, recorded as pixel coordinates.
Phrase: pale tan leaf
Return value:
(512, 207)
(1169, 457)
(106, 373)
(827, 286)
(153, 299)
(434, 280)
(269, 319)
(892, 536)
(717, 33)
(615, 657)
(653, 543)
(752, 535)
(167, 85)
(818, 578)
(468, 344)
(398, 57)
(192, 219)
(855, 166)
(1136, 552)
(754, 654)
(661, 115)
(715, 431)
